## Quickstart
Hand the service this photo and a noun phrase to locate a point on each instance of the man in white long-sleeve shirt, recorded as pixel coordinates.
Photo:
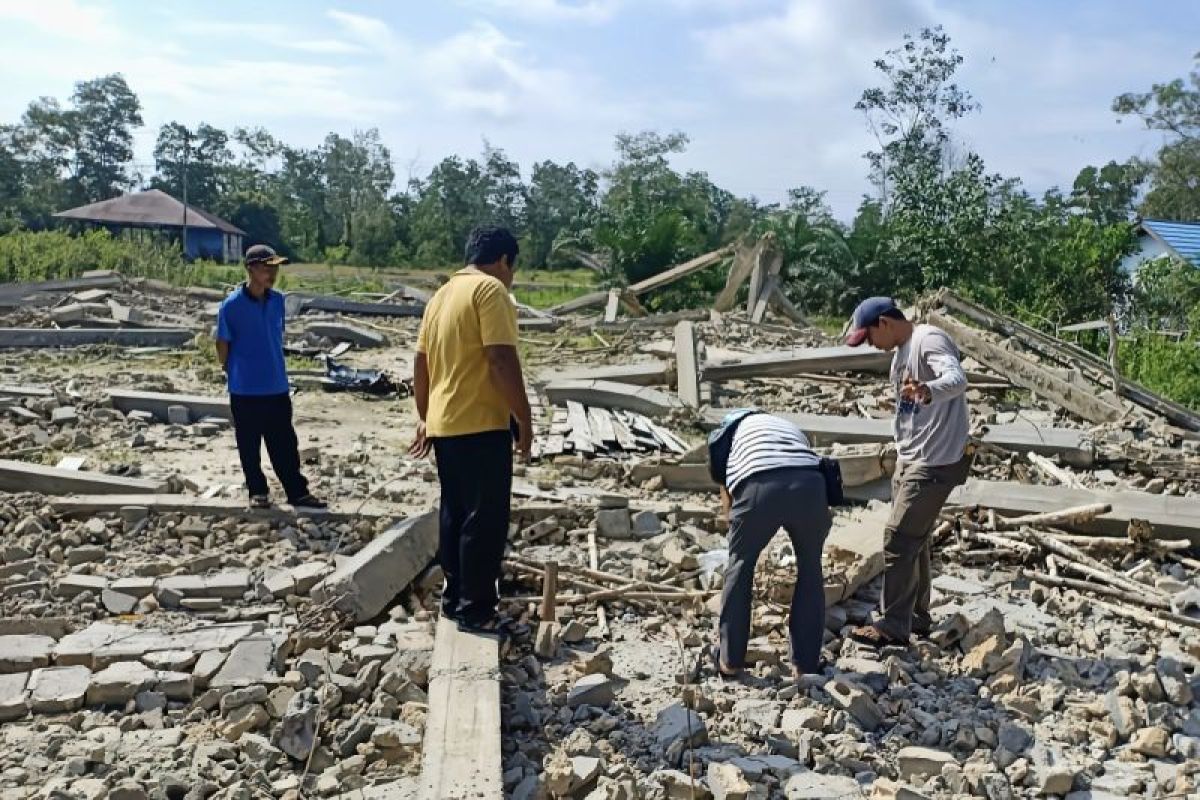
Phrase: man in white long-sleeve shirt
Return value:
(932, 431)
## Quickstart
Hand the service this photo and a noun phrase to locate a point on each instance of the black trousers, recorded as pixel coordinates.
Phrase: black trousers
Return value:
(259, 418)
(475, 472)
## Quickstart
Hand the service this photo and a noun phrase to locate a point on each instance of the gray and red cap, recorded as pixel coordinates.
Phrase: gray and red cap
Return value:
(867, 315)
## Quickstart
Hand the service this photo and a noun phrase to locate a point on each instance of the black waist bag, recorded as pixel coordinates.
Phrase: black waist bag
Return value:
(831, 471)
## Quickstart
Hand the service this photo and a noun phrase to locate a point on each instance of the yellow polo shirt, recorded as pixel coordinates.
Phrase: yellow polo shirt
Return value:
(470, 312)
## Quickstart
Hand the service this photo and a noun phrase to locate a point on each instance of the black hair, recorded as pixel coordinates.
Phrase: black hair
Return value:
(894, 313)
(487, 243)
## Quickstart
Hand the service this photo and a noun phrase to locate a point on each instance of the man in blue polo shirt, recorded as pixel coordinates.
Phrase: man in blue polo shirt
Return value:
(250, 349)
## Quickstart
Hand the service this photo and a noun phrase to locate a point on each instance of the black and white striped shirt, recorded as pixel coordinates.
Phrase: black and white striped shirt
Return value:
(763, 442)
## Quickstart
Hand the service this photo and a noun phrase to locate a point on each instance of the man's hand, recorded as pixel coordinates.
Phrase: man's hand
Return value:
(726, 504)
(525, 440)
(916, 392)
(421, 444)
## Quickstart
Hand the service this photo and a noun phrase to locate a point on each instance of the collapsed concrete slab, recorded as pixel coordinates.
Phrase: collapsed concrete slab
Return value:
(805, 359)
(76, 337)
(19, 476)
(369, 580)
(854, 552)
(340, 305)
(649, 373)
(77, 505)
(158, 403)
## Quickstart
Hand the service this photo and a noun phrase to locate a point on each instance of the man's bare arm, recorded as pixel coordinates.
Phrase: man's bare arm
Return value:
(222, 353)
(504, 368)
(421, 443)
(421, 384)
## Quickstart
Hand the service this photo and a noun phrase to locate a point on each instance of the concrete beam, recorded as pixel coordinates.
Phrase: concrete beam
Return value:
(1070, 444)
(858, 469)
(25, 391)
(1023, 371)
(364, 585)
(340, 305)
(461, 755)
(12, 293)
(687, 375)
(156, 403)
(1171, 517)
(608, 394)
(648, 373)
(805, 359)
(19, 476)
(85, 504)
(76, 337)
(667, 277)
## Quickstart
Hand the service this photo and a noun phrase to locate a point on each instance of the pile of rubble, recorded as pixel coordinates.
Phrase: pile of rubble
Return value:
(159, 639)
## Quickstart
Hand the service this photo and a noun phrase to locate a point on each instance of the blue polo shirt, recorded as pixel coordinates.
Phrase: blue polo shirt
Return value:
(254, 330)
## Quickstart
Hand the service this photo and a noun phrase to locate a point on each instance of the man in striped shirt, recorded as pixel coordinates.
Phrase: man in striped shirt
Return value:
(772, 480)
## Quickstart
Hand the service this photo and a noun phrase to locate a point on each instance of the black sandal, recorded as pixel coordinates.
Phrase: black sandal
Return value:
(494, 626)
(714, 655)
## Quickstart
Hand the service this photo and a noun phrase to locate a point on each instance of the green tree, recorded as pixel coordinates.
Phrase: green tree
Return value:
(202, 155)
(104, 115)
(1107, 194)
(1174, 108)
(561, 203)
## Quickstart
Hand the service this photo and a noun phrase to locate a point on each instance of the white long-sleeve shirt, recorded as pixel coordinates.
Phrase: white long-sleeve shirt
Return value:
(935, 434)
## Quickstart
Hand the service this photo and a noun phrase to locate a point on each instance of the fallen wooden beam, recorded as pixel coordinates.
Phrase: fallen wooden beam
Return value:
(76, 337)
(783, 363)
(1024, 372)
(157, 403)
(364, 584)
(609, 394)
(19, 476)
(687, 375)
(1069, 354)
(85, 504)
(461, 755)
(1171, 517)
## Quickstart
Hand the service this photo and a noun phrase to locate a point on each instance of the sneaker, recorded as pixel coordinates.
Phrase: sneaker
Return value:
(310, 502)
(260, 501)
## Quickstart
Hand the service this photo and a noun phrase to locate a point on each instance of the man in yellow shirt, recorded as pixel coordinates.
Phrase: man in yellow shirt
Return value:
(469, 390)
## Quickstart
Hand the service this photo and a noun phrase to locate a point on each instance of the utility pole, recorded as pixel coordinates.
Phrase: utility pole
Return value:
(187, 146)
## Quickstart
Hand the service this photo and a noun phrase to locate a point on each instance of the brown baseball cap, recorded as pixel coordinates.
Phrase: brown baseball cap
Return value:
(262, 254)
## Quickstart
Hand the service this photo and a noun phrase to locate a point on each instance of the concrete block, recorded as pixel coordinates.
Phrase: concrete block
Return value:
(250, 662)
(71, 585)
(119, 683)
(369, 580)
(13, 695)
(362, 337)
(178, 415)
(857, 703)
(22, 653)
(55, 690)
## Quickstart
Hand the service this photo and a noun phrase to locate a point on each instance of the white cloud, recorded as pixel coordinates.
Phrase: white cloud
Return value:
(69, 19)
(371, 31)
(551, 11)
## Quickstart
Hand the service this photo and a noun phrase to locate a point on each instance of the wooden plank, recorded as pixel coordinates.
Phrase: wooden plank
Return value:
(77, 337)
(611, 395)
(84, 504)
(19, 476)
(625, 439)
(1024, 372)
(1171, 517)
(673, 274)
(157, 403)
(782, 363)
(687, 374)
(581, 436)
(614, 304)
(600, 420)
(461, 755)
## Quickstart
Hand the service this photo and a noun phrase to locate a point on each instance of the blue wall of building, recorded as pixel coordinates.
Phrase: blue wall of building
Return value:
(205, 243)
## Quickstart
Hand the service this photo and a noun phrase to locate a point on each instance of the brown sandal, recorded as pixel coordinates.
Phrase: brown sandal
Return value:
(869, 634)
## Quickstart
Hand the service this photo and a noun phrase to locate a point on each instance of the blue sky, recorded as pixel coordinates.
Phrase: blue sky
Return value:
(765, 88)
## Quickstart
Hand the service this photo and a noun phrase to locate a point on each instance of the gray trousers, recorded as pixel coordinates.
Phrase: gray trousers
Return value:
(792, 499)
(918, 494)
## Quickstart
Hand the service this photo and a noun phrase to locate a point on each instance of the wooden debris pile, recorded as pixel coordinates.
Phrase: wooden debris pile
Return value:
(601, 432)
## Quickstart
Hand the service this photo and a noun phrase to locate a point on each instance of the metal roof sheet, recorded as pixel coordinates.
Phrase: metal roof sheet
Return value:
(1183, 238)
(151, 208)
